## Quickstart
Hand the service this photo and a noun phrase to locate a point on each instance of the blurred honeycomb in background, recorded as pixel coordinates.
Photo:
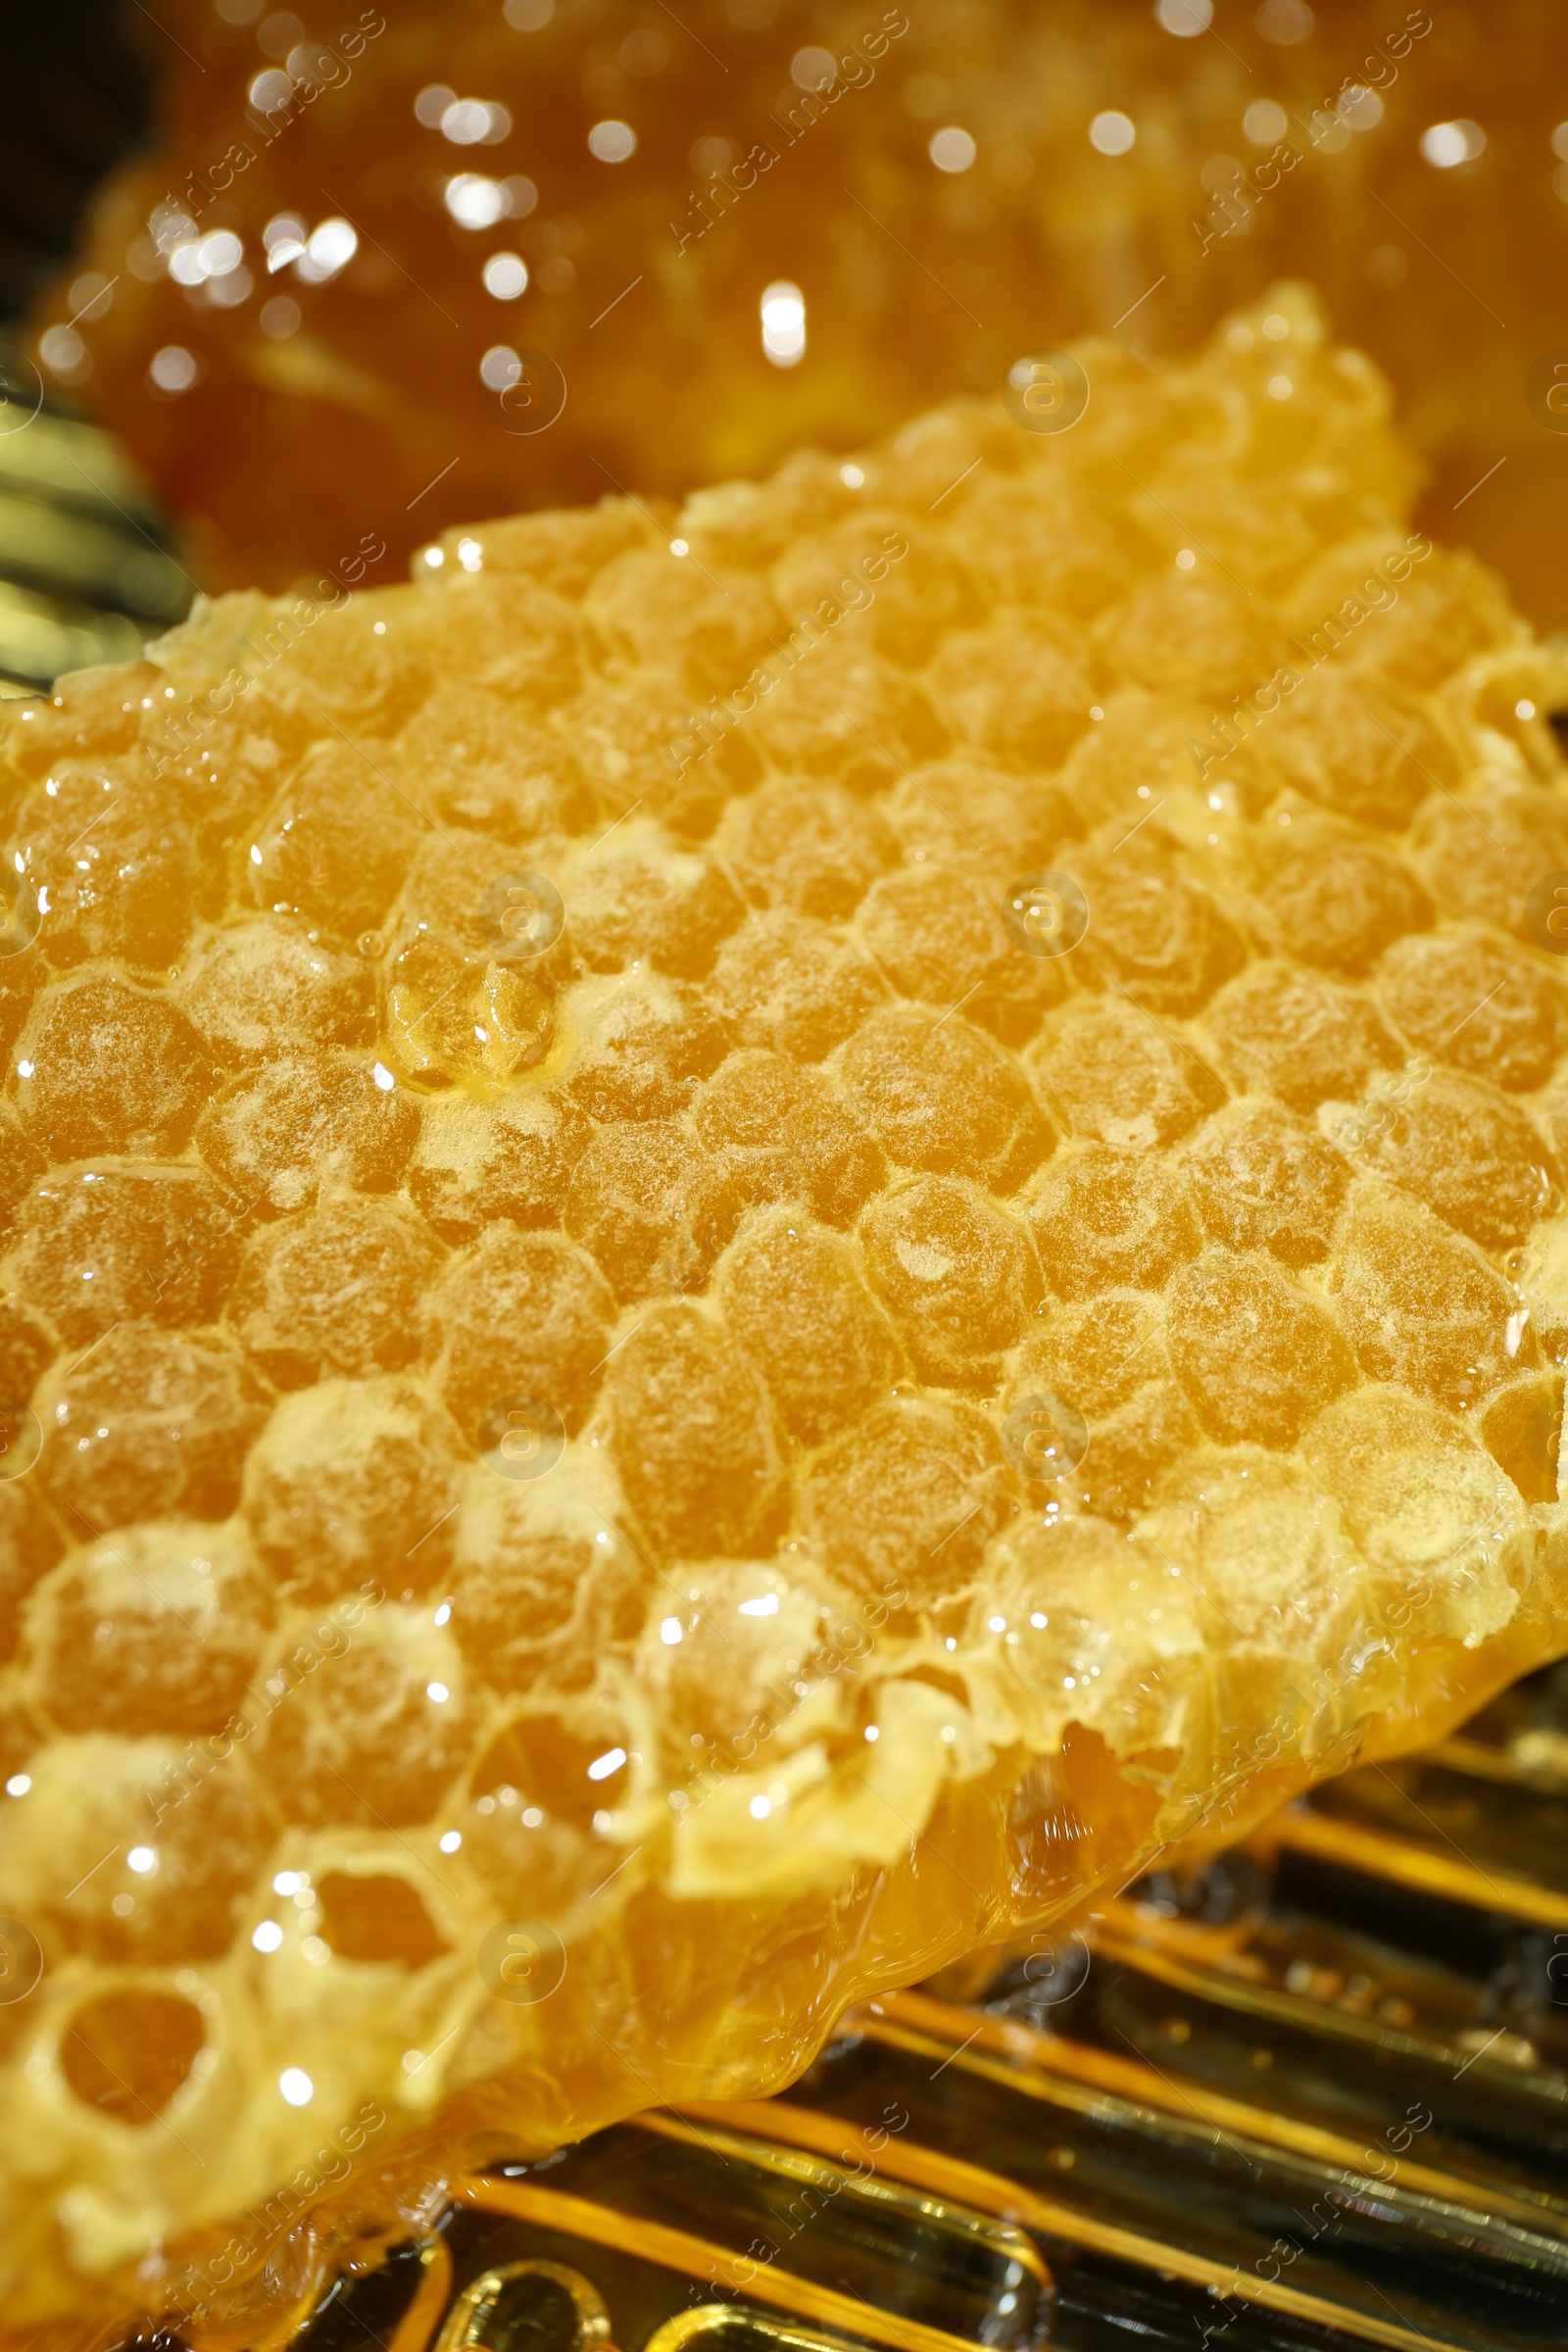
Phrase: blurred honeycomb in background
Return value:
(302, 312)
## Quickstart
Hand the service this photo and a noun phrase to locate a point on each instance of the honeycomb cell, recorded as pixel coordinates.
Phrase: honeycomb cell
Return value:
(939, 937)
(1420, 1304)
(523, 1851)
(97, 709)
(967, 812)
(795, 986)
(957, 1274)
(352, 1483)
(1522, 1426)
(1063, 546)
(454, 1019)
(1114, 1074)
(278, 1134)
(1477, 1001)
(655, 902)
(648, 599)
(157, 1628)
(97, 1247)
(694, 1437)
(371, 1734)
(846, 714)
(1447, 608)
(646, 742)
(1300, 1036)
(1337, 901)
(1360, 747)
(128, 2051)
(1096, 1355)
(876, 573)
(148, 1424)
(28, 1545)
(1257, 1355)
(751, 1636)
(479, 899)
(795, 1295)
(941, 1096)
(1104, 1219)
(335, 1290)
(1419, 1494)
(1151, 933)
(651, 1209)
(96, 1796)
(1107, 1361)
(511, 1158)
(541, 1575)
(113, 864)
(1016, 690)
(1128, 761)
(1263, 1179)
(1191, 633)
(376, 1919)
(522, 641)
(261, 985)
(812, 847)
(784, 1134)
(329, 663)
(1481, 854)
(642, 1046)
(517, 1317)
(103, 1067)
(902, 1506)
(335, 845)
(472, 757)
(1468, 1153)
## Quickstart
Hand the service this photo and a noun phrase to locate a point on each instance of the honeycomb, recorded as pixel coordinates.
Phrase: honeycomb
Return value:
(938, 201)
(743, 1244)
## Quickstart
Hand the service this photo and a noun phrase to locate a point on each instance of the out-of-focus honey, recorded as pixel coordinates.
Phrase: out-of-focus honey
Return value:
(966, 184)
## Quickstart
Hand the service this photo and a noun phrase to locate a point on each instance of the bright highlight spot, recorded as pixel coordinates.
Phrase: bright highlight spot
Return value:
(1445, 144)
(603, 1766)
(500, 367)
(268, 1937)
(1266, 122)
(952, 149)
(611, 141)
(1111, 134)
(505, 275)
(1187, 19)
(474, 201)
(142, 1859)
(296, 2086)
(172, 369)
(670, 1631)
(783, 315)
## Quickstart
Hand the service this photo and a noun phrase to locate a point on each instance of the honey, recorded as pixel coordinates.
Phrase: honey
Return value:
(743, 1243)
